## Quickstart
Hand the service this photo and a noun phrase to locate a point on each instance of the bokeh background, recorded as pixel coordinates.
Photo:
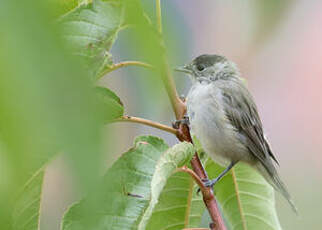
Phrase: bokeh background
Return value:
(277, 46)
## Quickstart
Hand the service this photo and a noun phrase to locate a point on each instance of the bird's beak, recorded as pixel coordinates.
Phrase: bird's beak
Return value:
(184, 69)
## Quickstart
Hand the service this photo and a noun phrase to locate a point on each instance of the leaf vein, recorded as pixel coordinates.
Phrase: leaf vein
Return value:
(170, 208)
(29, 220)
(82, 36)
(86, 22)
(243, 220)
(176, 189)
(172, 225)
(261, 219)
(21, 211)
(249, 181)
(254, 195)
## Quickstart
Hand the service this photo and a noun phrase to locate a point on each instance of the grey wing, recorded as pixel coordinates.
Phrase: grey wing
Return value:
(241, 110)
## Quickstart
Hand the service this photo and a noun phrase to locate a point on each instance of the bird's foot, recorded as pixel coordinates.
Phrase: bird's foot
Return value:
(184, 121)
(183, 98)
(208, 183)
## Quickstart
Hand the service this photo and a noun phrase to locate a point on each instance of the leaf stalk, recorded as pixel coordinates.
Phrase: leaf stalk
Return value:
(146, 122)
(119, 65)
(159, 18)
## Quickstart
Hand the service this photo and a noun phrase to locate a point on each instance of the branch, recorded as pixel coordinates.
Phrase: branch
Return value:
(195, 229)
(123, 64)
(193, 175)
(147, 122)
(158, 10)
(207, 193)
(177, 104)
(184, 135)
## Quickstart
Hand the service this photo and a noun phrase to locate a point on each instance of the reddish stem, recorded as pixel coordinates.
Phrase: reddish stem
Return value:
(207, 194)
(179, 108)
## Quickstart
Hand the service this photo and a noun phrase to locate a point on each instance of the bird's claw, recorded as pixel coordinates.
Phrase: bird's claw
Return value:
(184, 121)
(208, 183)
(183, 98)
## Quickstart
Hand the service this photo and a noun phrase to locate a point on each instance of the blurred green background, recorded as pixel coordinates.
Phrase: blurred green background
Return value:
(46, 95)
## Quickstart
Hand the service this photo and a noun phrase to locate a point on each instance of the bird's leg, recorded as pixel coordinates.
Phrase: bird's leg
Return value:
(177, 123)
(183, 98)
(211, 183)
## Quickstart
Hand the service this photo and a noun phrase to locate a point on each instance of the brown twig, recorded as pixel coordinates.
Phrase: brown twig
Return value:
(123, 64)
(184, 135)
(207, 193)
(193, 175)
(178, 105)
(179, 109)
(146, 122)
(195, 229)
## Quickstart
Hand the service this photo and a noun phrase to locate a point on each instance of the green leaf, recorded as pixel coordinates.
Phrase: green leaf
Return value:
(179, 204)
(60, 7)
(91, 30)
(47, 103)
(112, 105)
(131, 187)
(26, 213)
(175, 157)
(246, 199)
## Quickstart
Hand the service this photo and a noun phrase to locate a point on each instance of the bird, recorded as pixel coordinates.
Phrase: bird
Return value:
(222, 114)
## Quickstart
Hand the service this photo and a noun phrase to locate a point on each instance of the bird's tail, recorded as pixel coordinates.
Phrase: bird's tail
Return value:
(271, 175)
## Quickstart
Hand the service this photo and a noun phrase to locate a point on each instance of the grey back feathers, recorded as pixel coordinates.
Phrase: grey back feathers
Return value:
(242, 113)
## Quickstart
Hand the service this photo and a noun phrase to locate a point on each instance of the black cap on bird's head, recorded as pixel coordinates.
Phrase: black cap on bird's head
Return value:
(208, 67)
(207, 60)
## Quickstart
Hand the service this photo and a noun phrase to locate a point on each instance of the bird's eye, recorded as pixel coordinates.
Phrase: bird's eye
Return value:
(200, 67)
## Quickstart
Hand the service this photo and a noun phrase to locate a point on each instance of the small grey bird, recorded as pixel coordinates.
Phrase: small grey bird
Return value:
(223, 116)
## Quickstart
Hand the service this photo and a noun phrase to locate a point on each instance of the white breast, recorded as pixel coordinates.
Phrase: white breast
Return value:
(210, 125)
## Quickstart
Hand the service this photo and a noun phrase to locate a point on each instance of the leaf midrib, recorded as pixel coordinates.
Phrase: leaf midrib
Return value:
(241, 211)
(189, 201)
